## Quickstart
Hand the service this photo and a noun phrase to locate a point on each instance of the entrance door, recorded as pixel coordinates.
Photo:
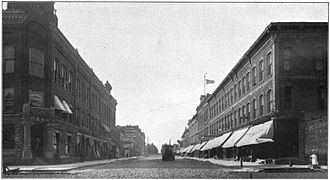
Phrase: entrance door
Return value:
(37, 140)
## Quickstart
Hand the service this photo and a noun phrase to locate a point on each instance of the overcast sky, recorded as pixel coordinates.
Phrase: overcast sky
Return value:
(155, 54)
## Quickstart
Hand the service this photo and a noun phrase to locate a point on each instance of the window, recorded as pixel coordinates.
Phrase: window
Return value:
(8, 136)
(235, 118)
(243, 114)
(270, 63)
(287, 58)
(248, 111)
(9, 59)
(254, 109)
(270, 101)
(261, 105)
(248, 81)
(56, 69)
(239, 88)
(78, 89)
(261, 70)
(70, 82)
(235, 92)
(243, 85)
(231, 96)
(68, 145)
(36, 98)
(77, 116)
(36, 60)
(320, 58)
(8, 100)
(56, 142)
(287, 97)
(239, 116)
(83, 92)
(254, 76)
(321, 98)
(64, 76)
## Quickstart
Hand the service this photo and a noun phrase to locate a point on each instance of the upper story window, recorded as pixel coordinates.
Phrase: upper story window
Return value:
(78, 89)
(239, 116)
(261, 105)
(254, 76)
(36, 98)
(69, 82)
(56, 69)
(235, 92)
(243, 85)
(36, 62)
(64, 76)
(320, 55)
(248, 111)
(270, 101)
(248, 81)
(321, 98)
(287, 97)
(243, 114)
(261, 70)
(287, 58)
(239, 88)
(9, 59)
(8, 100)
(270, 63)
(254, 109)
(231, 96)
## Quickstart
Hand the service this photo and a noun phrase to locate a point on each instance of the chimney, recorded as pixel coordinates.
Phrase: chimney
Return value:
(108, 87)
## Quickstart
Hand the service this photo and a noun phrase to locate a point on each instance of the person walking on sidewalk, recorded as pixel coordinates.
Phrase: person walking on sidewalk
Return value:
(313, 157)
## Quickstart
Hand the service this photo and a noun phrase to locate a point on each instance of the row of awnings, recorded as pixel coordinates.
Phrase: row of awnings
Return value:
(62, 105)
(257, 134)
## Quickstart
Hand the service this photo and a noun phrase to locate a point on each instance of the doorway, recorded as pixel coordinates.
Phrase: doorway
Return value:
(37, 139)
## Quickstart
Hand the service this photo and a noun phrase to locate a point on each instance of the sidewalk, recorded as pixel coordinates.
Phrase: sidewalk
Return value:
(66, 167)
(252, 166)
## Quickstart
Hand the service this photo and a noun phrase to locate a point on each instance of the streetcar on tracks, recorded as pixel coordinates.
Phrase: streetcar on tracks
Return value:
(168, 153)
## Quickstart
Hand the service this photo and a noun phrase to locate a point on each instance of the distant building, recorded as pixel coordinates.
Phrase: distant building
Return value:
(134, 141)
(281, 81)
(55, 109)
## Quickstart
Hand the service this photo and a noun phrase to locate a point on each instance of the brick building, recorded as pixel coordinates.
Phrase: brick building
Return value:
(279, 87)
(134, 141)
(55, 109)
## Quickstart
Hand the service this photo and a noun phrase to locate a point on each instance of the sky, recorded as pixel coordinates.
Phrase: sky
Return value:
(155, 54)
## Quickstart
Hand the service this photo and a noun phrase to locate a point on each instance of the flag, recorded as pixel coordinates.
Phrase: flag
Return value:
(209, 81)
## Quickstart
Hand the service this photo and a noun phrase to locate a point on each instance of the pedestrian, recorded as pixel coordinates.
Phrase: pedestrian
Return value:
(313, 157)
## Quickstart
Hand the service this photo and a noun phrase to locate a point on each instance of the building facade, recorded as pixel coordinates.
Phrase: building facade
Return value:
(134, 141)
(281, 78)
(55, 109)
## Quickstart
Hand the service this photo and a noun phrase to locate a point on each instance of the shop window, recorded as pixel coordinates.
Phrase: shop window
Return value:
(287, 58)
(36, 98)
(8, 136)
(56, 142)
(254, 76)
(321, 98)
(270, 63)
(68, 145)
(9, 59)
(288, 97)
(8, 100)
(254, 109)
(261, 105)
(36, 62)
(261, 70)
(270, 101)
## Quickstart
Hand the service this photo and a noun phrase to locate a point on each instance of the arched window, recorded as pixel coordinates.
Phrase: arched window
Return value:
(270, 63)
(243, 114)
(270, 101)
(243, 85)
(254, 76)
(239, 115)
(261, 105)
(248, 81)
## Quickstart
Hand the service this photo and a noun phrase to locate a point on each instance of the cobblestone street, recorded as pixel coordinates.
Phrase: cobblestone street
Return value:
(154, 167)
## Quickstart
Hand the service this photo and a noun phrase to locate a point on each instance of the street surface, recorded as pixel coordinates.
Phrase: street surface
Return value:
(154, 167)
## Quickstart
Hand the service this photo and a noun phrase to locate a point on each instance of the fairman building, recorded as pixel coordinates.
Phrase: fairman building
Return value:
(272, 104)
(55, 109)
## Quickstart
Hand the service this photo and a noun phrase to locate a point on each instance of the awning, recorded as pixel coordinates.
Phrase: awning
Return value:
(192, 147)
(196, 147)
(187, 148)
(67, 107)
(216, 142)
(258, 134)
(235, 137)
(58, 104)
